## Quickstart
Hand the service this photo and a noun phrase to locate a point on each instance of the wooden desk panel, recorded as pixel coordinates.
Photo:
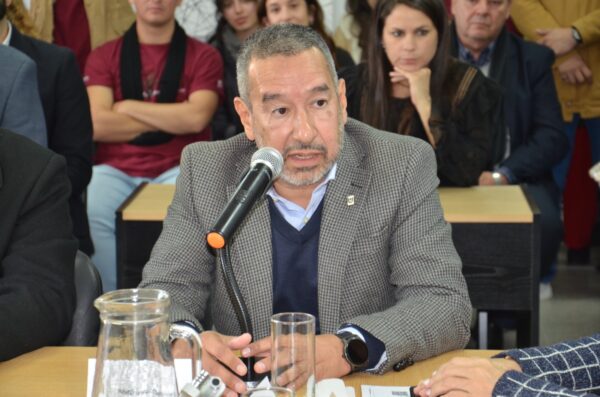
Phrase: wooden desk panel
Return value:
(62, 372)
(485, 204)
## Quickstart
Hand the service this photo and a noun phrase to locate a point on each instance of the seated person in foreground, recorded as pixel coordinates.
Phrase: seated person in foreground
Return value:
(410, 85)
(565, 369)
(37, 248)
(66, 111)
(351, 232)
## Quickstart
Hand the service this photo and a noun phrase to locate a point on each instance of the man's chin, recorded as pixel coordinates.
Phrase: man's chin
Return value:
(304, 177)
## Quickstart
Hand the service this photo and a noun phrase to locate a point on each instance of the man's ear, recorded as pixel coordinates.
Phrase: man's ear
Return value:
(245, 116)
(343, 100)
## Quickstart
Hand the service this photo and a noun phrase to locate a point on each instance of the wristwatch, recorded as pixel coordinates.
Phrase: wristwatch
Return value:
(576, 35)
(497, 177)
(355, 351)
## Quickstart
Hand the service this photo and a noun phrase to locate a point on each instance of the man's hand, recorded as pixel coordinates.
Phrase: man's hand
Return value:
(486, 179)
(575, 71)
(219, 359)
(559, 40)
(329, 360)
(461, 376)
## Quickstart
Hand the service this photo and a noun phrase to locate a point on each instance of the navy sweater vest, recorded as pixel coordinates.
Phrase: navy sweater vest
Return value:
(295, 264)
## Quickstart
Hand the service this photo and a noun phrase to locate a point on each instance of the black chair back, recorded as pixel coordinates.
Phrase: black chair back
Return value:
(86, 321)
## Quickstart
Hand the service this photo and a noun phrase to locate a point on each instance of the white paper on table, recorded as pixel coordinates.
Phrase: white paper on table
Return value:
(385, 391)
(183, 372)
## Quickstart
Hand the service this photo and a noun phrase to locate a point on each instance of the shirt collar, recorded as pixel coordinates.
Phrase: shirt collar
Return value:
(8, 36)
(484, 59)
(330, 176)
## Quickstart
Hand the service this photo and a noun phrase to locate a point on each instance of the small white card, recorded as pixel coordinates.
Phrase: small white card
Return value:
(183, 372)
(324, 388)
(385, 391)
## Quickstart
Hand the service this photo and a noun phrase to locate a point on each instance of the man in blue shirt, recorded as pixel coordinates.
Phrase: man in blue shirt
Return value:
(352, 231)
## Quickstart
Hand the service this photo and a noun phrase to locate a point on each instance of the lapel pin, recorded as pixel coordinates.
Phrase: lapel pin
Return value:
(350, 200)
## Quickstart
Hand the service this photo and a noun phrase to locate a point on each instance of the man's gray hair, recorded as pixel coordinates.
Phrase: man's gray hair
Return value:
(281, 39)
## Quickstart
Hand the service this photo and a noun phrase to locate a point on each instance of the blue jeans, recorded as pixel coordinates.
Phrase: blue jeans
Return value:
(561, 170)
(107, 190)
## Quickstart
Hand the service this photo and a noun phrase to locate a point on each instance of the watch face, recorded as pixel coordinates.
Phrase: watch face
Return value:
(358, 352)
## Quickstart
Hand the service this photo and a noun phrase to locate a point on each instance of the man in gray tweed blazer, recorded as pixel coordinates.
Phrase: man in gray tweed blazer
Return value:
(387, 271)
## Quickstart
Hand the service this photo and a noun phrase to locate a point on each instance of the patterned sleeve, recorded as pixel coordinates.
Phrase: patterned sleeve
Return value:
(565, 369)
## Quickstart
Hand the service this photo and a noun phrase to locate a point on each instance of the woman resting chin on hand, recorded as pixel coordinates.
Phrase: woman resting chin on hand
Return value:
(410, 85)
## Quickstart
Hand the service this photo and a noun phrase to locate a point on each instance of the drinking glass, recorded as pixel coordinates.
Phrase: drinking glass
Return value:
(293, 352)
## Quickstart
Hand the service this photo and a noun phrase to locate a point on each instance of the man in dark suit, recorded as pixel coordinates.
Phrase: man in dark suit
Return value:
(20, 107)
(37, 249)
(67, 113)
(536, 141)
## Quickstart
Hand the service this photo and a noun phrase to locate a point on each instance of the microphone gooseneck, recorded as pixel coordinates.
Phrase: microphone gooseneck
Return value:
(265, 167)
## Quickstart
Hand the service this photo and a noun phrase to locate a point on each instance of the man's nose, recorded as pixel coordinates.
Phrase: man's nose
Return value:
(304, 128)
(482, 7)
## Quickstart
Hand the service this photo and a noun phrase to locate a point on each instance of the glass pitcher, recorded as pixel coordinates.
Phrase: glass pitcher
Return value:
(134, 354)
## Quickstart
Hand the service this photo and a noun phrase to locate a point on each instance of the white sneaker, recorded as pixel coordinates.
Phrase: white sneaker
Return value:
(545, 291)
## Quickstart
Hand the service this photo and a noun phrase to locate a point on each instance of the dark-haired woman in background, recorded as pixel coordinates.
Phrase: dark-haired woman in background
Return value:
(410, 85)
(306, 13)
(239, 19)
(352, 34)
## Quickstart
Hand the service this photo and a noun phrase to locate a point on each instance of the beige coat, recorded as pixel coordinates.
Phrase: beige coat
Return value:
(529, 15)
(108, 19)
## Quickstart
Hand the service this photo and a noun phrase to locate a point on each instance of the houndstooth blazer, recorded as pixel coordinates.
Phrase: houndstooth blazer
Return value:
(386, 258)
(565, 369)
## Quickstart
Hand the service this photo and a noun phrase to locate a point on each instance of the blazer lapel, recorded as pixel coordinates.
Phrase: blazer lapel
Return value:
(504, 55)
(251, 258)
(344, 200)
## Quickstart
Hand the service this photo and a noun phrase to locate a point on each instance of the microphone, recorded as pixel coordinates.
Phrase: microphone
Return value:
(265, 167)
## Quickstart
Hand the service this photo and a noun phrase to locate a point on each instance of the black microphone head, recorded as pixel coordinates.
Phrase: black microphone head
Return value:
(269, 157)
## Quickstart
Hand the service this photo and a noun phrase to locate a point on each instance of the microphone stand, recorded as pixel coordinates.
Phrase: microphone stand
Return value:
(239, 306)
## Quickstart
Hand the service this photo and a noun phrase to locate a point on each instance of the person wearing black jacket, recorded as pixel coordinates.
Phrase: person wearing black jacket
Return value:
(536, 140)
(37, 248)
(67, 114)
(411, 86)
(239, 19)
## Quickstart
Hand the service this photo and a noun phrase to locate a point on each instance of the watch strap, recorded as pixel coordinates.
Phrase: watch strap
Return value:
(576, 35)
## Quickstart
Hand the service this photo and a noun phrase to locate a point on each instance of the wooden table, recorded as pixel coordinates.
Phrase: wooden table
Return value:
(62, 372)
(494, 228)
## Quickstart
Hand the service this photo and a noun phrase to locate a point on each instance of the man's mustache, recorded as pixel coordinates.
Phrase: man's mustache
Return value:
(304, 146)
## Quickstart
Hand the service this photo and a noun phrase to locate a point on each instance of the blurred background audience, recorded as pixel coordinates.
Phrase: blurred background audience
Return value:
(306, 13)
(410, 85)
